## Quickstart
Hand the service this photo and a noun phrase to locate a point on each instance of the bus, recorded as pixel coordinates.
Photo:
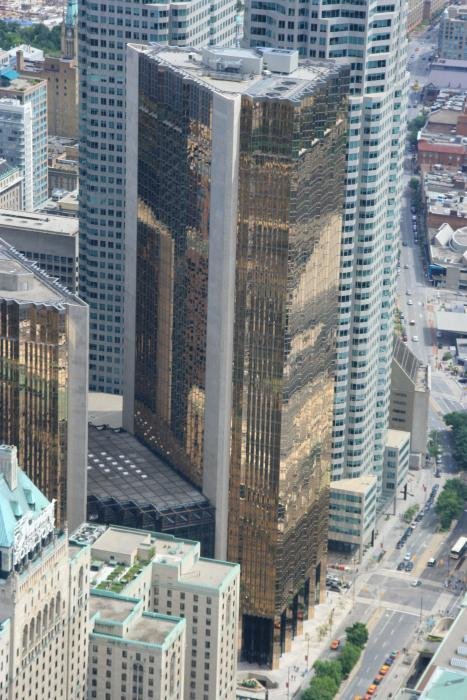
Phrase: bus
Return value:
(459, 548)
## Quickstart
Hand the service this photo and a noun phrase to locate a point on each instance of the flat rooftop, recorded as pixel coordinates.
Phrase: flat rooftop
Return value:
(122, 468)
(451, 322)
(396, 438)
(361, 484)
(151, 629)
(110, 607)
(26, 221)
(22, 280)
(292, 86)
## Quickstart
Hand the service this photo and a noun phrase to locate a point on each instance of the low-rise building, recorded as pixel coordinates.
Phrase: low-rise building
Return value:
(169, 577)
(132, 653)
(396, 462)
(11, 186)
(443, 140)
(410, 399)
(43, 595)
(352, 513)
(130, 485)
(448, 258)
(51, 241)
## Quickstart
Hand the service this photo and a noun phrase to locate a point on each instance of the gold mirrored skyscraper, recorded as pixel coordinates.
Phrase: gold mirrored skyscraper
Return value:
(43, 382)
(233, 233)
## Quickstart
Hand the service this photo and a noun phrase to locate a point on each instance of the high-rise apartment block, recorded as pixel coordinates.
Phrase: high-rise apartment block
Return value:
(160, 575)
(104, 30)
(43, 375)
(16, 144)
(374, 41)
(44, 585)
(452, 36)
(235, 188)
(33, 92)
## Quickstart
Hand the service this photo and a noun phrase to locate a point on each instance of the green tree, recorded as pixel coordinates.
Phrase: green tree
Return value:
(38, 35)
(434, 445)
(357, 634)
(321, 688)
(333, 669)
(457, 421)
(448, 507)
(414, 127)
(349, 657)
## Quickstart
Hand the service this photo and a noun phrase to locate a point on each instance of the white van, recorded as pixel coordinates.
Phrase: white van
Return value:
(431, 562)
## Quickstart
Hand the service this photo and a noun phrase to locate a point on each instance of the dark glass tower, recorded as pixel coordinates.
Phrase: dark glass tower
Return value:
(236, 255)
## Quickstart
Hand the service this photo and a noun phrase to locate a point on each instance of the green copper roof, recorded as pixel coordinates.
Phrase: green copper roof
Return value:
(71, 13)
(25, 499)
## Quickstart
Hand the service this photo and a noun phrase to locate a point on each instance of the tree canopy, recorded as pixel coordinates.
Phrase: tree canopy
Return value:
(414, 127)
(37, 35)
(333, 669)
(450, 503)
(457, 421)
(357, 634)
(321, 688)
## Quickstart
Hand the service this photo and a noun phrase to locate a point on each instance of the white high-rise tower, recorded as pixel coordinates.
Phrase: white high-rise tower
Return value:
(372, 36)
(104, 31)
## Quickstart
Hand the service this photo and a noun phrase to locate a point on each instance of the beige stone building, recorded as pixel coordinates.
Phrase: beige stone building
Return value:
(166, 575)
(132, 653)
(44, 585)
(61, 74)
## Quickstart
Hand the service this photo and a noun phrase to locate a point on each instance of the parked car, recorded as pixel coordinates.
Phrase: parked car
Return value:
(415, 338)
(409, 302)
(416, 583)
(431, 562)
(335, 644)
(409, 566)
(408, 556)
(401, 566)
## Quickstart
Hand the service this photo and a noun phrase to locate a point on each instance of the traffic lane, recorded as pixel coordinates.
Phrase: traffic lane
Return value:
(391, 634)
(445, 565)
(397, 589)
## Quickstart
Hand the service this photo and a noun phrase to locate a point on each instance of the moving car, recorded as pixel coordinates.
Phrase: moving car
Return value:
(415, 338)
(335, 644)
(384, 669)
(431, 562)
(372, 689)
(409, 302)
(416, 583)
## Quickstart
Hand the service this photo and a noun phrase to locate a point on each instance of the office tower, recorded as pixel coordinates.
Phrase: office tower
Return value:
(132, 653)
(168, 576)
(452, 36)
(375, 43)
(16, 144)
(51, 241)
(43, 595)
(61, 74)
(11, 185)
(104, 31)
(33, 92)
(235, 177)
(43, 380)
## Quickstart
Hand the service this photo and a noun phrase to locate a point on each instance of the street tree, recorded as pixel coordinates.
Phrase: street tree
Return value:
(357, 634)
(321, 688)
(457, 421)
(349, 657)
(332, 669)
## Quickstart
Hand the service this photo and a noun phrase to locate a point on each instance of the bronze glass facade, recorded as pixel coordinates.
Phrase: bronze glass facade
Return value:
(33, 393)
(172, 270)
(292, 159)
(289, 160)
